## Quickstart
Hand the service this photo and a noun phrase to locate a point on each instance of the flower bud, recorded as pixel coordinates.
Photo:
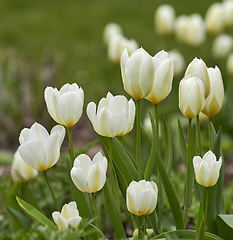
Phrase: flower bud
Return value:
(110, 30)
(164, 19)
(141, 197)
(65, 106)
(89, 176)
(214, 18)
(214, 101)
(163, 76)
(178, 62)
(207, 169)
(222, 46)
(20, 170)
(191, 96)
(229, 64)
(228, 13)
(197, 68)
(39, 149)
(69, 216)
(137, 73)
(113, 117)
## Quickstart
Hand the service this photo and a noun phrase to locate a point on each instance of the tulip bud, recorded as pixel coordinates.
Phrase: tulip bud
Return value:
(117, 43)
(229, 64)
(181, 25)
(39, 149)
(222, 46)
(114, 116)
(197, 68)
(20, 170)
(164, 19)
(228, 13)
(191, 96)
(214, 18)
(137, 73)
(214, 101)
(141, 197)
(69, 216)
(163, 76)
(178, 62)
(207, 169)
(65, 106)
(89, 176)
(110, 30)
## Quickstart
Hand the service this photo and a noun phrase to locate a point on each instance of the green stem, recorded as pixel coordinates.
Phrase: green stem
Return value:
(211, 140)
(139, 227)
(71, 146)
(157, 128)
(111, 167)
(199, 136)
(95, 209)
(206, 205)
(51, 190)
(138, 137)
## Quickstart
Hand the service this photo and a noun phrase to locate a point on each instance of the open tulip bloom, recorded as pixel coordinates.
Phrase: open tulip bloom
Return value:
(66, 105)
(40, 149)
(207, 169)
(89, 175)
(69, 216)
(113, 117)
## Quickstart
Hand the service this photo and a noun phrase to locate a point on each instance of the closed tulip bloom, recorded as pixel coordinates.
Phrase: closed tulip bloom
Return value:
(178, 62)
(207, 169)
(214, 18)
(117, 43)
(20, 170)
(137, 73)
(197, 68)
(89, 175)
(66, 105)
(228, 13)
(110, 30)
(222, 46)
(69, 216)
(39, 149)
(181, 25)
(163, 76)
(113, 117)
(164, 19)
(191, 96)
(141, 197)
(214, 101)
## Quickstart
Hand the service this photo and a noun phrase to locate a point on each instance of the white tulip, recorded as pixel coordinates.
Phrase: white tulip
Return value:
(163, 76)
(164, 19)
(65, 106)
(228, 13)
(20, 170)
(69, 216)
(197, 68)
(222, 46)
(207, 169)
(191, 96)
(113, 117)
(181, 25)
(141, 197)
(39, 149)
(214, 101)
(110, 30)
(89, 175)
(137, 73)
(178, 62)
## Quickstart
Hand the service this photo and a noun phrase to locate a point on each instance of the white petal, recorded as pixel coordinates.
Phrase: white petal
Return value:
(79, 179)
(74, 221)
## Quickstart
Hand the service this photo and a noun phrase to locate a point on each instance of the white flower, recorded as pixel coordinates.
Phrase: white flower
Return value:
(222, 46)
(110, 30)
(89, 176)
(178, 61)
(69, 216)
(113, 117)
(207, 169)
(65, 106)
(39, 149)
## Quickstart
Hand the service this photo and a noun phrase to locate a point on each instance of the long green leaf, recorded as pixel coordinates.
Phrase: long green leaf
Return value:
(33, 212)
(200, 226)
(171, 194)
(183, 145)
(168, 147)
(225, 226)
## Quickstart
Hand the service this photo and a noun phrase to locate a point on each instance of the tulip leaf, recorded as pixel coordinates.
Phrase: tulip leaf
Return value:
(33, 212)
(200, 226)
(225, 226)
(113, 211)
(168, 147)
(171, 194)
(185, 234)
(183, 145)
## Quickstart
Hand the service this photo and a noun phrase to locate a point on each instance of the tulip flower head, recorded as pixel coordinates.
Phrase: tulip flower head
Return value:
(20, 170)
(222, 46)
(110, 30)
(214, 101)
(137, 73)
(39, 149)
(191, 96)
(141, 197)
(89, 175)
(113, 117)
(207, 169)
(69, 216)
(66, 105)
(163, 76)
(178, 62)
